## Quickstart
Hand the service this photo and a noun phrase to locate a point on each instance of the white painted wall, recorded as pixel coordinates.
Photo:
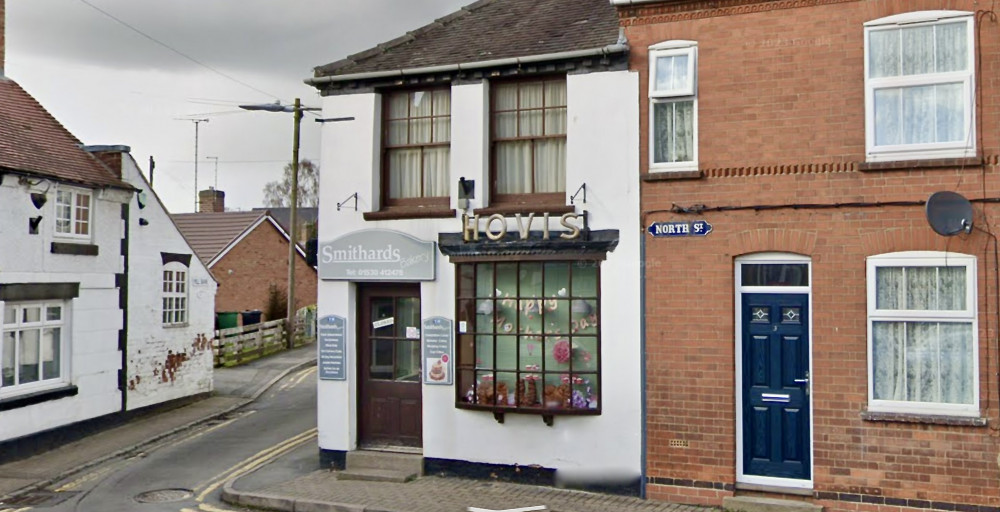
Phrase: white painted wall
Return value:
(602, 147)
(150, 344)
(94, 317)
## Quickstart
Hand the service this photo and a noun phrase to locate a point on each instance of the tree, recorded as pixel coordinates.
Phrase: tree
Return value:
(277, 194)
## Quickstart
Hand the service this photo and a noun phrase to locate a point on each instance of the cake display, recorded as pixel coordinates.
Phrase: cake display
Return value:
(437, 371)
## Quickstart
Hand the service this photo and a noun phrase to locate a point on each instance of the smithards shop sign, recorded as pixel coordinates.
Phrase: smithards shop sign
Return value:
(377, 255)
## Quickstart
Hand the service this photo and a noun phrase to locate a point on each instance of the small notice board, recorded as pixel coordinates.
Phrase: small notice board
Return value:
(439, 343)
(332, 348)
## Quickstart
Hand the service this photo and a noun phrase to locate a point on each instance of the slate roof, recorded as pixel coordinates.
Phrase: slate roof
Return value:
(210, 233)
(283, 215)
(35, 143)
(490, 30)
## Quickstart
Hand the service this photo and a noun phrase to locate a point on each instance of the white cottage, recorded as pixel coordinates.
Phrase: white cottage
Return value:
(479, 247)
(61, 265)
(171, 299)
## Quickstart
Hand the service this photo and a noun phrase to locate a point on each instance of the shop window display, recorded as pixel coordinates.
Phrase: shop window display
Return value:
(529, 336)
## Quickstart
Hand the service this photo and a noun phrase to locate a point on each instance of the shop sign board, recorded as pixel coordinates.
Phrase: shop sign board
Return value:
(439, 347)
(332, 338)
(679, 229)
(377, 255)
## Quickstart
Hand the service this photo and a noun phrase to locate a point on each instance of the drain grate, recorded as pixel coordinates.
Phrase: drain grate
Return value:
(164, 496)
(39, 499)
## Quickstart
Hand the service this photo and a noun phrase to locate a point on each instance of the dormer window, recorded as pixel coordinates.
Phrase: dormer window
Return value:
(73, 213)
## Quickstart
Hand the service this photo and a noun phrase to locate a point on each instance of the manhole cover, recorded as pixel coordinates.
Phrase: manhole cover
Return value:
(164, 496)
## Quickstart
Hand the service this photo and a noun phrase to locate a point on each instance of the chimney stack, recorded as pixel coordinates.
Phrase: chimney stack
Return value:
(210, 200)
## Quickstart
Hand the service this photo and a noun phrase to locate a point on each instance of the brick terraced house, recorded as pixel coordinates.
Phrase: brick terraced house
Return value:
(809, 336)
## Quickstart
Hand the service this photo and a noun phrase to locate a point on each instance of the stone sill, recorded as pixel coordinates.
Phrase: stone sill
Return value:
(16, 402)
(910, 165)
(429, 212)
(510, 210)
(927, 419)
(671, 176)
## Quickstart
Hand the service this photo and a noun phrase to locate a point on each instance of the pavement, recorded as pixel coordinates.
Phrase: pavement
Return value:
(305, 487)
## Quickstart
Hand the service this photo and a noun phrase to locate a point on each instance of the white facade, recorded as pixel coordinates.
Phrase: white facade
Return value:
(89, 357)
(602, 152)
(171, 359)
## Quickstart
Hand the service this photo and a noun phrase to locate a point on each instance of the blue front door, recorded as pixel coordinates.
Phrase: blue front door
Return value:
(776, 433)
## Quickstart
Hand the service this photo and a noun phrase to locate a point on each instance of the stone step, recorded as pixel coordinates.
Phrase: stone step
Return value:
(754, 504)
(376, 475)
(369, 459)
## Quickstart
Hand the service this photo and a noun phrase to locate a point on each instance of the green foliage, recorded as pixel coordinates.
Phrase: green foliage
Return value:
(277, 303)
(277, 194)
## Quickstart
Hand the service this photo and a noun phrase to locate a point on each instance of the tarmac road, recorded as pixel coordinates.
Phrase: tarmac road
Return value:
(185, 472)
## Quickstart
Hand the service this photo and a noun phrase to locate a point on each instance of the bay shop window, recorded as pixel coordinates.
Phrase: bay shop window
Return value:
(529, 336)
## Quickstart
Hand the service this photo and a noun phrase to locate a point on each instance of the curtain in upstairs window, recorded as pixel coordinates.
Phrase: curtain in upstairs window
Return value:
(530, 134)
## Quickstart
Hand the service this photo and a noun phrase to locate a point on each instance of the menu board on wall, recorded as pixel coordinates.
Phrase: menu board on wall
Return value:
(332, 348)
(438, 343)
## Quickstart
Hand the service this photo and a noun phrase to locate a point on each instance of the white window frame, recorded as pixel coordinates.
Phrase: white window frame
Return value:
(900, 152)
(687, 93)
(173, 315)
(18, 325)
(74, 224)
(968, 315)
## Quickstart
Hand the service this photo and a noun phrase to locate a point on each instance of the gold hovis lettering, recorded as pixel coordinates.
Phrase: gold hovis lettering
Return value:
(360, 254)
(496, 226)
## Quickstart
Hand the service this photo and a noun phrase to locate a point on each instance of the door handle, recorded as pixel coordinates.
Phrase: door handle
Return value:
(802, 381)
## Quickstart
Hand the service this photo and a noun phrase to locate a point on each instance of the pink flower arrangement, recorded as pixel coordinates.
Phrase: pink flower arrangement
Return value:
(562, 352)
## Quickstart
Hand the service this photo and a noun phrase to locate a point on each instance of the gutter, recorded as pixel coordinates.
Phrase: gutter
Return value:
(620, 47)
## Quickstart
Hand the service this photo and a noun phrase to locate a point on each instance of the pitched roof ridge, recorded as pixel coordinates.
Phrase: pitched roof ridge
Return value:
(408, 37)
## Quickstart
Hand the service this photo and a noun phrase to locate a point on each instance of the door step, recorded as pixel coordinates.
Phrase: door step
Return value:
(377, 466)
(754, 504)
(376, 475)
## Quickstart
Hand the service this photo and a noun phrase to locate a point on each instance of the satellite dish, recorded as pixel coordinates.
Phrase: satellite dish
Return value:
(949, 213)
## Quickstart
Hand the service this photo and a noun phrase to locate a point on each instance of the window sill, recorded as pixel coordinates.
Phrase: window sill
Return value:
(174, 326)
(74, 249)
(511, 209)
(671, 175)
(927, 419)
(931, 163)
(16, 402)
(411, 212)
(548, 415)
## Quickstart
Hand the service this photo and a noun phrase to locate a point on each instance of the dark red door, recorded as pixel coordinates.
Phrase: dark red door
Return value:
(389, 366)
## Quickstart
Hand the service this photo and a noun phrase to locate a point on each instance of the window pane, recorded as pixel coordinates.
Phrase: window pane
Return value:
(951, 288)
(918, 114)
(673, 131)
(531, 95)
(917, 50)
(952, 47)
(956, 364)
(934, 364)
(505, 97)
(28, 356)
(513, 162)
(407, 315)
(399, 105)
(506, 358)
(420, 130)
(506, 280)
(585, 279)
(775, 274)
(50, 353)
(556, 280)
(672, 72)
(404, 173)
(950, 114)
(888, 360)
(442, 103)
(883, 57)
(7, 358)
(181, 282)
(382, 361)
(889, 288)
(398, 134)
(442, 129)
(53, 313)
(484, 280)
(888, 117)
(421, 104)
(436, 172)
(407, 365)
(82, 225)
(9, 315)
(32, 314)
(550, 166)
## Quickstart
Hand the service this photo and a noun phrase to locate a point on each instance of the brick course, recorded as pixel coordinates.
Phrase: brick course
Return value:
(246, 272)
(781, 123)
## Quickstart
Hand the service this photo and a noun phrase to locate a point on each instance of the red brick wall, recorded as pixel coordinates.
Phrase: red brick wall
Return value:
(246, 272)
(781, 122)
(3, 30)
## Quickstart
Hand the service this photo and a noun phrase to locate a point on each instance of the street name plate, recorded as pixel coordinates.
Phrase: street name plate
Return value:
(332, 348)
(439, 338)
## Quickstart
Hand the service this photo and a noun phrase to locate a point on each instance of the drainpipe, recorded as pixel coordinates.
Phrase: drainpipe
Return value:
(642, 354)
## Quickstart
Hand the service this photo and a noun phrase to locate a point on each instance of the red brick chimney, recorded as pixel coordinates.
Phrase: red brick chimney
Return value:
(210, 200)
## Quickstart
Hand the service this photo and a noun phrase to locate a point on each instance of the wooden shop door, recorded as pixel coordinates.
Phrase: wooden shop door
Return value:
(389, 390)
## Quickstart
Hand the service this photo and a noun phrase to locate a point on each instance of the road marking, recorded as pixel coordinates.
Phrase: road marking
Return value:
(205, 507)
(522, 509)
(255, 461)
(94, 475)
(295, 380)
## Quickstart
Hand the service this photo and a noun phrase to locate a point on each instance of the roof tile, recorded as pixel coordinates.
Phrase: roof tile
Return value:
(34, 142)
(489, 30)
(209, 233)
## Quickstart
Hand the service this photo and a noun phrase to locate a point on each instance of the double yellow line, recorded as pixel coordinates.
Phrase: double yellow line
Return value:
(253, 462)
(297, 379)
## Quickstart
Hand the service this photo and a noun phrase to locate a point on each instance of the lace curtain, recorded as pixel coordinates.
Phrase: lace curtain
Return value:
(420, 122)
(920, 113)
(535, 114)
(922, 361)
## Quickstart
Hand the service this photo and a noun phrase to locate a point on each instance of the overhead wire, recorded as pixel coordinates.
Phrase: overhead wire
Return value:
(176, 51)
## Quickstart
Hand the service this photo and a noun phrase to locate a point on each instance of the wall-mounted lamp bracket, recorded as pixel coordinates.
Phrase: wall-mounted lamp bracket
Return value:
(33, 223)
(351, 197)
(583, 189)
(38, 199)
(333, 119)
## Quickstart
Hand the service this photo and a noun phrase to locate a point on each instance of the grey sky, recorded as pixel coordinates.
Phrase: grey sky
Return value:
(110, 85)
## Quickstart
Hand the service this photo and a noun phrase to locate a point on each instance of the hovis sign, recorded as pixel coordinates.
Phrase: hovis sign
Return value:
(377, 255)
